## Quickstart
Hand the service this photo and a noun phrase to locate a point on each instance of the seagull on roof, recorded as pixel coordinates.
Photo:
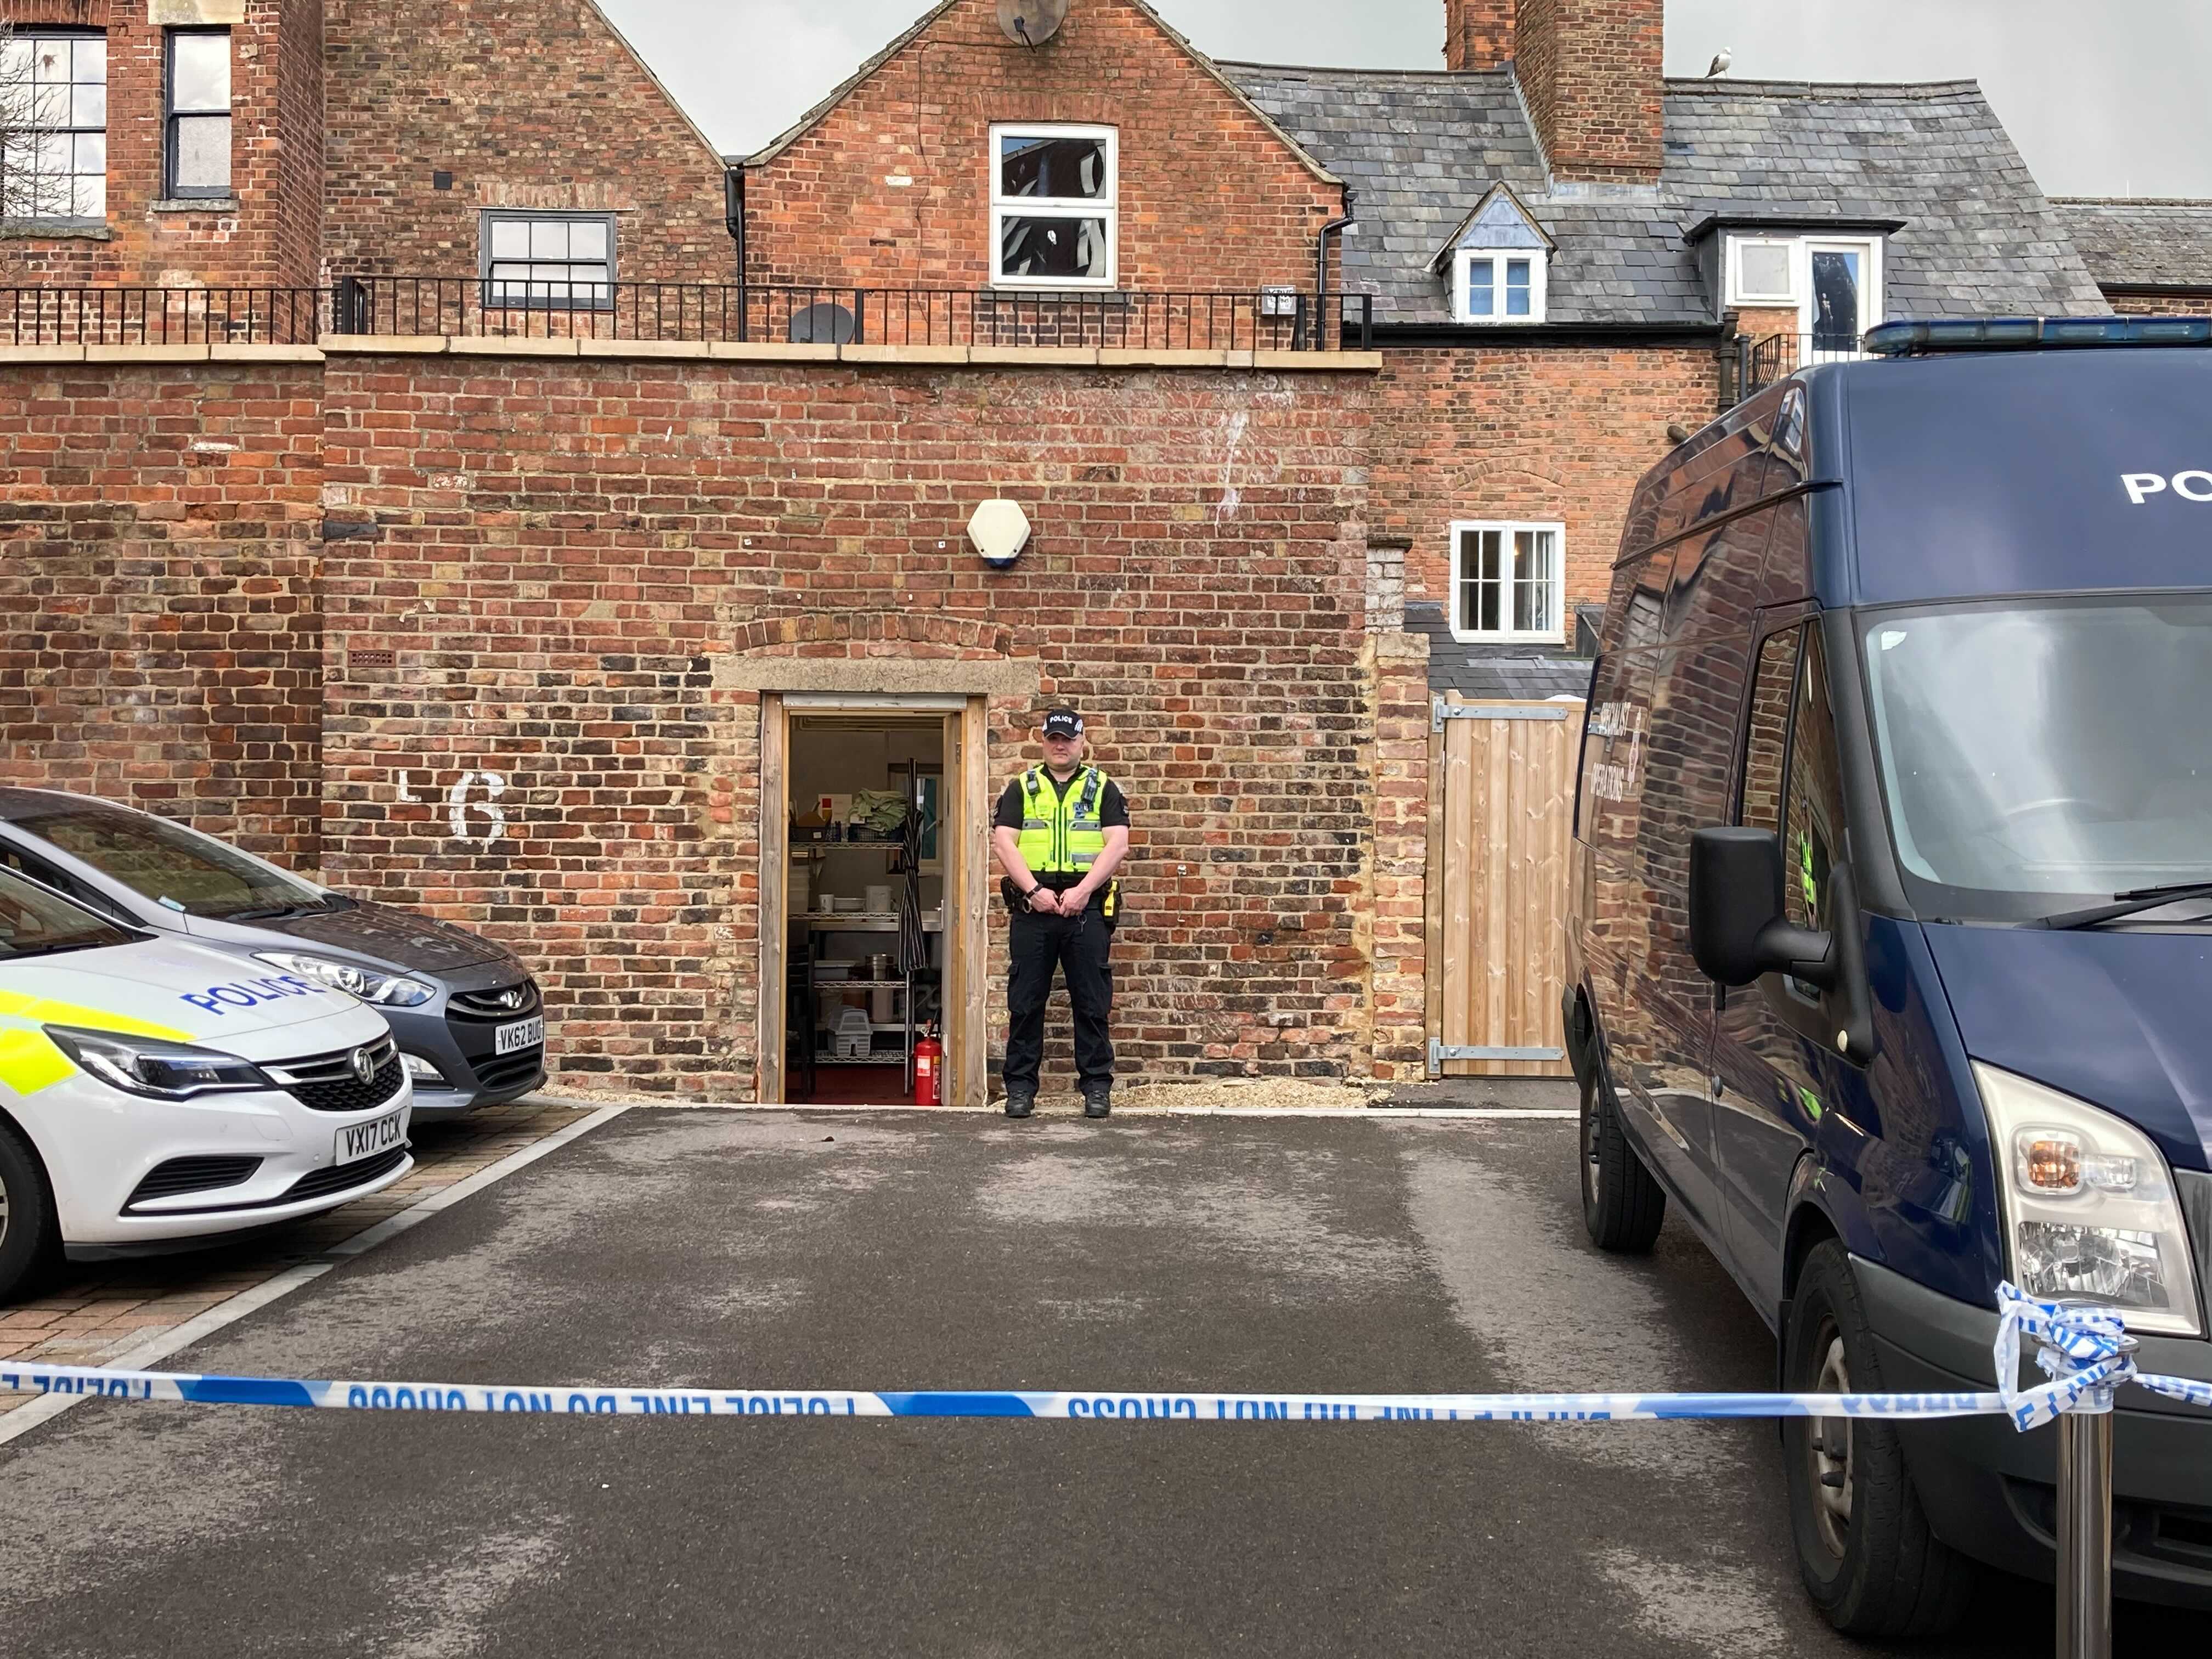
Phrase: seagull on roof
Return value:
(1721, 61)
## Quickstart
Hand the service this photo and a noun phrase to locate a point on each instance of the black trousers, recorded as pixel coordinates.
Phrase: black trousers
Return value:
(1076, 947)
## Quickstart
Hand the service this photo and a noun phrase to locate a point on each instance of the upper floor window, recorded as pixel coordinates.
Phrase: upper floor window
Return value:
(53, 97)
(548, 261)
(1053, 206)
(1508, 582)
(1832, 283)
(1495, 261)
(1499, 287)
(197, 142)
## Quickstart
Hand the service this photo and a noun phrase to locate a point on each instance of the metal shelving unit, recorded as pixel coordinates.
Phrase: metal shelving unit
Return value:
(905, 862)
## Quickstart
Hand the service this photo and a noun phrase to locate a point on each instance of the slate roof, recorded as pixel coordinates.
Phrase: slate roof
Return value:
(1532, 673)
(2141, 244)
(1421, 147)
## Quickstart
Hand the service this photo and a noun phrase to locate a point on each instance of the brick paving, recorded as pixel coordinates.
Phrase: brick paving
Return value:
(96, 1311)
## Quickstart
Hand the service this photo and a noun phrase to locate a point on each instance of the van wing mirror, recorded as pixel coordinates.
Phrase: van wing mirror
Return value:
(1737, 928)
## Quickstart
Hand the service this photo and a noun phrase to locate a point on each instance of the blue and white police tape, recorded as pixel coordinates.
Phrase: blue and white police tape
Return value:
(207, 1389)
(2084, 1352)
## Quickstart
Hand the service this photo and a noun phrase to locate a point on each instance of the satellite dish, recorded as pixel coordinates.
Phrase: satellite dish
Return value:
(1031, 22)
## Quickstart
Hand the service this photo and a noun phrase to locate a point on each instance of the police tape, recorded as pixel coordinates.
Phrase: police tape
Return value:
(598, 1400)
(2085, 1351)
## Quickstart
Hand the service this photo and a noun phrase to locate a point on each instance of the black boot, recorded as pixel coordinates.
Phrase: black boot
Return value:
(1098, 1098)
(1021, 1099)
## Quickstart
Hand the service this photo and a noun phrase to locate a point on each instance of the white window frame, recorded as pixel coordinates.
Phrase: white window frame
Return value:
(1739, 296)
(1107, 207)
(1868, 248)
(1507, 528)
(1463, 258)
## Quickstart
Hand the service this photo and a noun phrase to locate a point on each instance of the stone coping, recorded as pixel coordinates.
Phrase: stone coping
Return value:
(934, 356)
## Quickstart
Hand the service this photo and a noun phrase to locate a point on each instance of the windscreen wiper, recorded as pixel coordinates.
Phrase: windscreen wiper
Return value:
(2128, 903)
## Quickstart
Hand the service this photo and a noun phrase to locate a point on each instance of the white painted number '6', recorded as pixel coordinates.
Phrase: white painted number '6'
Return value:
(459, 806)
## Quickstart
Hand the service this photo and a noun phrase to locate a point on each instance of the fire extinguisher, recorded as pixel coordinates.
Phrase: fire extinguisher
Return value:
(928, 1068)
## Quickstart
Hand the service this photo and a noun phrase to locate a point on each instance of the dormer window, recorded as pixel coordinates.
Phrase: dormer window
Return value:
(1833, 283)
(1496, 263)
(1500, 286)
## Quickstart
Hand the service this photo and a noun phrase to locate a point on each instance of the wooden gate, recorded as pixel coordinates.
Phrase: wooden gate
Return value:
(1501, 805)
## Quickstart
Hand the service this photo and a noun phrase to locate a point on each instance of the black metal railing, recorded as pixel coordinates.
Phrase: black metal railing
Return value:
(696, 313)
(1760, 363)
(828, 315)
(162, 316)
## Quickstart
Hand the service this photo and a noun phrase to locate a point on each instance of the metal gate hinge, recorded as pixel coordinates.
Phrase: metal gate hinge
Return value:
(1441, 1052)
(1440, 711)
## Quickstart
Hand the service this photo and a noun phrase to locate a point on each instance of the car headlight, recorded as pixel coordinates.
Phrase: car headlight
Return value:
(385, 990)
(2090, 1205)
(157, 1069)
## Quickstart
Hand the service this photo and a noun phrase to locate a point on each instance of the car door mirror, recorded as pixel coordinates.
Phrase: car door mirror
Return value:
(1738, 931)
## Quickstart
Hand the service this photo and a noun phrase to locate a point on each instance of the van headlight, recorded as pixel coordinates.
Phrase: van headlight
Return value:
(157, 1069)
(385, 990)
(2090, 1205)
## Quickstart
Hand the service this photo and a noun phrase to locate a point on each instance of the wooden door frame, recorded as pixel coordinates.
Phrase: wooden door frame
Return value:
(962, 841)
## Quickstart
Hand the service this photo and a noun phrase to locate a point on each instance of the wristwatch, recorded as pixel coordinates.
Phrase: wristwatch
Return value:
(1033, 892)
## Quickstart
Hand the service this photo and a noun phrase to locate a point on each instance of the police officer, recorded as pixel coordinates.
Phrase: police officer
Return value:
(1061, 831)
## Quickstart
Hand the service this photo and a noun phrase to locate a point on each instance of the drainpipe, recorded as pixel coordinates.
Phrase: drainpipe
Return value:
(733, 220)
(1320, 270)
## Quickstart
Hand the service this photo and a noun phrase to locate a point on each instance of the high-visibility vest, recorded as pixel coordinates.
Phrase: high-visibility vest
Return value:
(1060, 833)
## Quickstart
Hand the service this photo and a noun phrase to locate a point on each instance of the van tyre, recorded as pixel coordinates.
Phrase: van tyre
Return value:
(1622, 1204)
(26, 1219)
(1864, 1549)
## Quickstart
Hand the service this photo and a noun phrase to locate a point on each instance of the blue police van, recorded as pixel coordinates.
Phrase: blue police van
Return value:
(1890, 942)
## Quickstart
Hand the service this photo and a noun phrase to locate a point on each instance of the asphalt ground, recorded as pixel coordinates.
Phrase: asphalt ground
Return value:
(848, 1250)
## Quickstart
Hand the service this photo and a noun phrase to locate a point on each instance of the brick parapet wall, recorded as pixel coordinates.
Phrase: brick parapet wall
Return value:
(1210, 197)
(1555, 434)
(266, 238)
(162, 643)
(415, 88)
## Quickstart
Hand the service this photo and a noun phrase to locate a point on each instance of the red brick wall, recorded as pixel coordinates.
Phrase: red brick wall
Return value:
(162, 642)
(2138, 304)
(1477, 34)
(263, 239)
(1551, 434)
(527, 104)
(300, 125)
(1210, 197)
(558, 559)
(1591, 72)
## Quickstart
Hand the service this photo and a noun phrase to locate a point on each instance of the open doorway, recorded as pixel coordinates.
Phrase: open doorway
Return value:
(864, 903)
(910, 767)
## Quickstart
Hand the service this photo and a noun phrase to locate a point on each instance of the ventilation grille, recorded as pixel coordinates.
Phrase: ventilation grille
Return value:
(190, 1175)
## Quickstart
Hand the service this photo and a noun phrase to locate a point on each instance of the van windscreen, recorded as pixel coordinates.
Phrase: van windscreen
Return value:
(2038, 753)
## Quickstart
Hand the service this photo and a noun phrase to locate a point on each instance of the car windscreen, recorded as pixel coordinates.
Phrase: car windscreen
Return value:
(2039, 754)
(35, 923)
(173, 865)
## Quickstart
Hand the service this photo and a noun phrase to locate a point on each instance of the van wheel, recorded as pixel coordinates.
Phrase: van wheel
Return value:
(26, 1219)
(1622, 1204)
(1864, 1550)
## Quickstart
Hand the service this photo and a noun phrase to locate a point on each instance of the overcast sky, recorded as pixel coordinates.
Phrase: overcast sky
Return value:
(2117, 105)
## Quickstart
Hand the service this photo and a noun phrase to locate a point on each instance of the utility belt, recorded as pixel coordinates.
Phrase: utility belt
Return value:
(1107, 901)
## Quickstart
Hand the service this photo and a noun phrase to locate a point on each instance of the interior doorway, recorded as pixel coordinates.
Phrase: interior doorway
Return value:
(868, 882)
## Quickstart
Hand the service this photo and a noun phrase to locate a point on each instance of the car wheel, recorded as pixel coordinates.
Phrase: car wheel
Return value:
(1622, 1204)
(26, 1219)
(1864, 1549)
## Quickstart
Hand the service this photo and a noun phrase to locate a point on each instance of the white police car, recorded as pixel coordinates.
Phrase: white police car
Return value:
(152, 1094)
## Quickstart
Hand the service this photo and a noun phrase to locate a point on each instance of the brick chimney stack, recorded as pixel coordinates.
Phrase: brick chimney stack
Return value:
(1477, 34)
(1590, 71)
